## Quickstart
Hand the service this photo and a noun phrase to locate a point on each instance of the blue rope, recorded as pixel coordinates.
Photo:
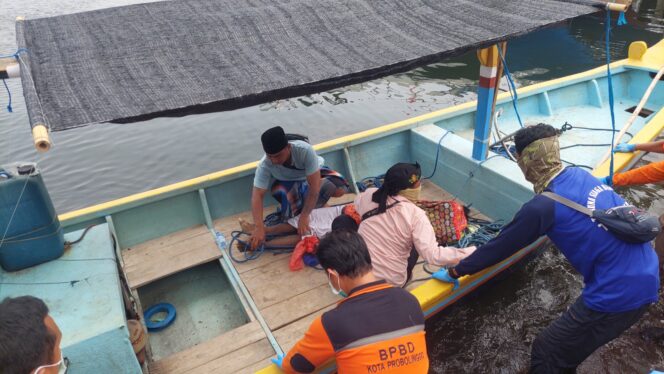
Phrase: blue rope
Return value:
(252, 255)
(15, 55)
(435, 164)
(9, 94)
(610, 88)
(511, 86)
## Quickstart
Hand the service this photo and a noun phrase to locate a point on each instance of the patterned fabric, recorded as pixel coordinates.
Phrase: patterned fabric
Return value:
(447, 218)
(540, 162)
(290, 194)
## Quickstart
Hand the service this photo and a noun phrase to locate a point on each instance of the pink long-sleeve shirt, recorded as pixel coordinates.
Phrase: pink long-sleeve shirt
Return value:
(391, 236)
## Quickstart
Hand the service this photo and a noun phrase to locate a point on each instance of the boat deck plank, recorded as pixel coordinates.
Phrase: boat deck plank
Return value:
(226, 346)
(288, 301)
(161, 257)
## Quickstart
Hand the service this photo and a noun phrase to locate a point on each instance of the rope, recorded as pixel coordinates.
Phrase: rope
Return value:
(435, 164)
(511, 85)
(9, 93)
(610, 88)
(11, 218)
(252, 255)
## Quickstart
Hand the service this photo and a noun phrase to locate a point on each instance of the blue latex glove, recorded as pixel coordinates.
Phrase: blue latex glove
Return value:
(605, 180)
(278, 361)
(624, 148)
(444, 276)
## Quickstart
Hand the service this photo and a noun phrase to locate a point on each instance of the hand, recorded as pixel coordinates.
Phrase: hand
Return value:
(279, 361)
(258, 237)
(605, 180)
(624, 148)
(444, 276)
(303, 225)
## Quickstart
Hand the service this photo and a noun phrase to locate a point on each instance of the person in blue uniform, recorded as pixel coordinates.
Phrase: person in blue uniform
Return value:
(620, 279)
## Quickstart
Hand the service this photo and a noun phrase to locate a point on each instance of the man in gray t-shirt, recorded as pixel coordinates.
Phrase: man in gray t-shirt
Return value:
(295, 176)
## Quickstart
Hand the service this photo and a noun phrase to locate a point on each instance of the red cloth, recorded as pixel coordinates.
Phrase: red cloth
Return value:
(306, 245)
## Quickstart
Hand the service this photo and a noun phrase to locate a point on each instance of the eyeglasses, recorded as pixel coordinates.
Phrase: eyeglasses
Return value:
(63, 363)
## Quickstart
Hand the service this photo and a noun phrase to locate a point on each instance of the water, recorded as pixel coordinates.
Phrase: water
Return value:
(491, 332)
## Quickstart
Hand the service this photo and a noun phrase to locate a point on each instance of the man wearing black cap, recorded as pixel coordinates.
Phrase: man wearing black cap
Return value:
(294, 174)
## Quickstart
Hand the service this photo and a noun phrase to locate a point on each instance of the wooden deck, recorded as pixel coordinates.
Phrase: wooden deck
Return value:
(288, 301)
(161, 257)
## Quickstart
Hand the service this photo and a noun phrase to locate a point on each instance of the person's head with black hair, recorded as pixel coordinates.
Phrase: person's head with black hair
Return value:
(399, 177)
(345, 257)
(29, 337)
(525, 136)
(344, 222)
(538, 154)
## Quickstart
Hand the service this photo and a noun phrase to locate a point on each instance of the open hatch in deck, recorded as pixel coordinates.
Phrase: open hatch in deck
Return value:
(288, 301)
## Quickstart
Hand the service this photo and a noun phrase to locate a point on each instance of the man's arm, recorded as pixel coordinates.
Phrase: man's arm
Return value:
(314, 182)
(651, 173)
(656, 147)
(258, 236)
(533, 220)
(310, 352)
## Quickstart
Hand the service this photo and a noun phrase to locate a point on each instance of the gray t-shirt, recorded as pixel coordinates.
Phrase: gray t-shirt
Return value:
(305, 162)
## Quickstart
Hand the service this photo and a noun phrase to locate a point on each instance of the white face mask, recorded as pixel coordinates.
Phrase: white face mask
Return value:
(338, 292)
(62, 363)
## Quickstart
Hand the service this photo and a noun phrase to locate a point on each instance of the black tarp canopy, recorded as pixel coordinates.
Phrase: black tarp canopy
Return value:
(190, 56)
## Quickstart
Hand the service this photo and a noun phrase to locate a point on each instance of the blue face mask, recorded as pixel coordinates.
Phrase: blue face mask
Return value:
(338, 292)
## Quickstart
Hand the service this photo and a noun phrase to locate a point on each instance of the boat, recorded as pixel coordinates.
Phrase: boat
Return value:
(170, 244)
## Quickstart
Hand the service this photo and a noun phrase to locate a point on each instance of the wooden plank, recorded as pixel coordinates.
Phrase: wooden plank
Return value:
(275, 282)
(249, 356)
(201, 354)
(306, 303)
(173, 238)
(160, 257)
(288, 335)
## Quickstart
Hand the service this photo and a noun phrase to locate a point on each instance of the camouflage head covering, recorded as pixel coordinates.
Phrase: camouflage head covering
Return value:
(540, 162)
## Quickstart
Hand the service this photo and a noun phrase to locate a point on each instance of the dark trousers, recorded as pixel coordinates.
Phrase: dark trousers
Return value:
(570, 339)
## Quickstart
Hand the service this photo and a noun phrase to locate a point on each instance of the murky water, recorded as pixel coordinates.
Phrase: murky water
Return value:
(490, 332)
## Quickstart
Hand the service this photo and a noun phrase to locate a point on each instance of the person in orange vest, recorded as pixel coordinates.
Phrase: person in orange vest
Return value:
(376, 328)
(651, 173)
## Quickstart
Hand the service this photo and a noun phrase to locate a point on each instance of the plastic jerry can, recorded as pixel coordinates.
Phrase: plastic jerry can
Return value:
(28, 222)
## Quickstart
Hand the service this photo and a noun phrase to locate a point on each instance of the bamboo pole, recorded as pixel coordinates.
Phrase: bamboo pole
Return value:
(635, 114)
(41, 139)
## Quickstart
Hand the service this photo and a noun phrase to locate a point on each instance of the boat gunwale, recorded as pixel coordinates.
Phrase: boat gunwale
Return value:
(100, 210)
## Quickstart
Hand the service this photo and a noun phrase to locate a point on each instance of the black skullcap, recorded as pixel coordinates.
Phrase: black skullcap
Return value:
(401, 176)
(274, 140)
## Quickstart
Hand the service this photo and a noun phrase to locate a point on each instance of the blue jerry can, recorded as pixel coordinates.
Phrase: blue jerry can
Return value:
(28, 222)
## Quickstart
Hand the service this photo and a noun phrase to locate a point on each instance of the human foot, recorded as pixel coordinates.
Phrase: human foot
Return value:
(246, 226)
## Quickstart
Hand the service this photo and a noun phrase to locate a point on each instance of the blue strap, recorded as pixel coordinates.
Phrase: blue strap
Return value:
(610, 87)
(510, 85)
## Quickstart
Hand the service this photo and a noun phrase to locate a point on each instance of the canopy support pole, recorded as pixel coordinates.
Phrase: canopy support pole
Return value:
(491, 70)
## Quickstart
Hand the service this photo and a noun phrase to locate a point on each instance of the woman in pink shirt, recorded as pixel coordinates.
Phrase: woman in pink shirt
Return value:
(396, 231)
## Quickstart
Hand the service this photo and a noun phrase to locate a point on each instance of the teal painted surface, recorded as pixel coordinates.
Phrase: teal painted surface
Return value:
(497, 180)
(149, 221)
(231, 197)
(205, 303)
(375, 157)
(82, 291)
(30, 232)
